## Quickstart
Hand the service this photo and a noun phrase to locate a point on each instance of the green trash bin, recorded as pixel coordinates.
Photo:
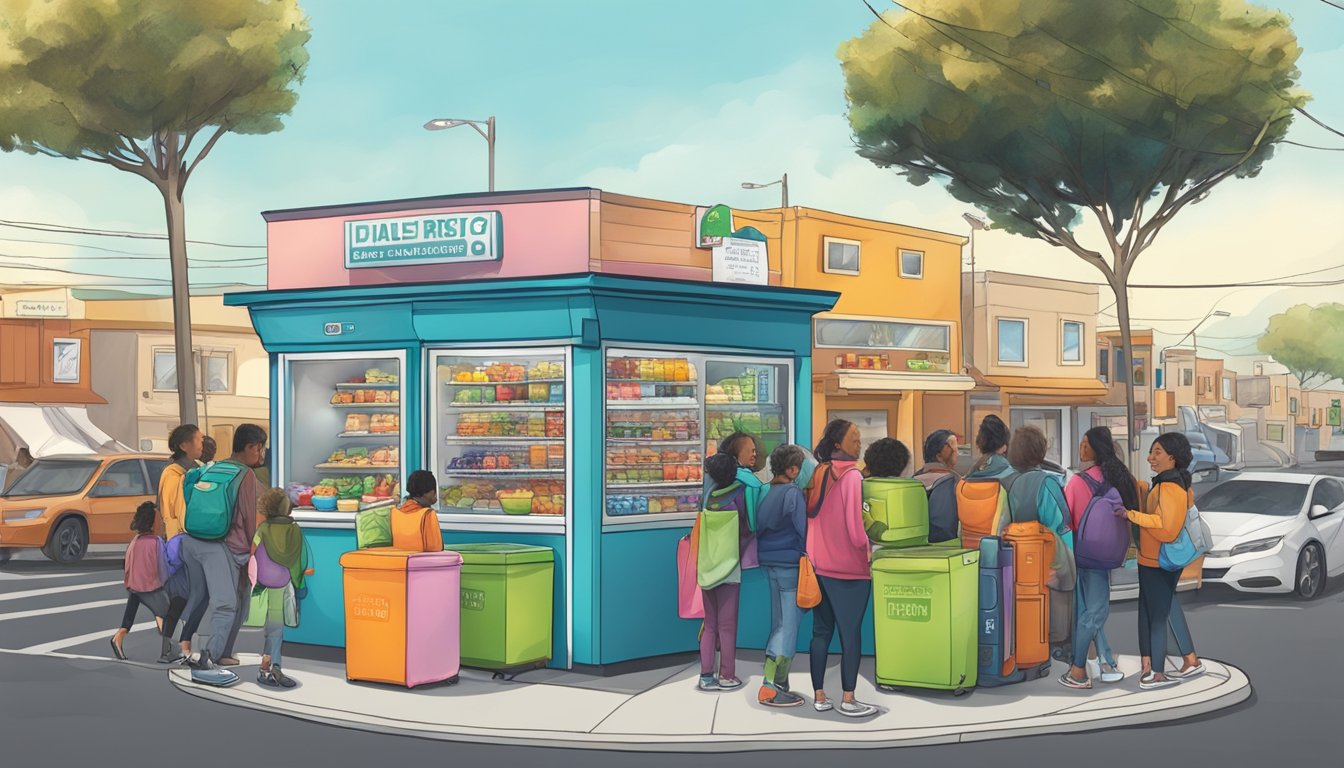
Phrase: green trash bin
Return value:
(925, 604)
(507, 592)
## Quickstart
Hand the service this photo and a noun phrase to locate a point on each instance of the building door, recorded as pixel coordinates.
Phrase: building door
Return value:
(1052, 422)
(872, 424)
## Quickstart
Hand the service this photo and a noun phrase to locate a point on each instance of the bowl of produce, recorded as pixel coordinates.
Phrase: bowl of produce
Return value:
(515, 502)
(325, 503)
(347, 505)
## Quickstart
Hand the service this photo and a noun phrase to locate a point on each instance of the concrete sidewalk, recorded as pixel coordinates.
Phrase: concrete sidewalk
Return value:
(662, 711)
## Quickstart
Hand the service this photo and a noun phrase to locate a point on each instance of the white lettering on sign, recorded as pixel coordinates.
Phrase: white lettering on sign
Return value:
(434, 239)
(741, 261)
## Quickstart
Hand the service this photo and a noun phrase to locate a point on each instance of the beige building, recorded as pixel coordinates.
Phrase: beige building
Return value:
(1034, 347)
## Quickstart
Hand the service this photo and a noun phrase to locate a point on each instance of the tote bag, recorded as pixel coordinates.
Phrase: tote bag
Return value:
(718, 555)
(1191, 543)
(690, 601)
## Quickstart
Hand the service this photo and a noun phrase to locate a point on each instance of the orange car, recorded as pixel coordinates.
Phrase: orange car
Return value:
(62, 504)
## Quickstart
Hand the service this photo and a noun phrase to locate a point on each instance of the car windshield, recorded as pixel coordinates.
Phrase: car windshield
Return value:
(1257, 497)
(53, 478)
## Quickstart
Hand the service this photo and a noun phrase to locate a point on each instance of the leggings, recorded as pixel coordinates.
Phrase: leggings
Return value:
(843, 603)
(159, 603)
(1157, 591)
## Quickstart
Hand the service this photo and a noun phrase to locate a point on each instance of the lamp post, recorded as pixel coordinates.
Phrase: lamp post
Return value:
(488, 133)
(976, 223)
(784, 188)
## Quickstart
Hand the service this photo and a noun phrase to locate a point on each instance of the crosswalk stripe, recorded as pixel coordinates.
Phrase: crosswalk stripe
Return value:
(57, 590)
(61, 609)
(12, 576)
(56, 645)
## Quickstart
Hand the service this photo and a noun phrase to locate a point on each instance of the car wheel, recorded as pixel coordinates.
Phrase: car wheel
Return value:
(1310, 572)
(68, 542)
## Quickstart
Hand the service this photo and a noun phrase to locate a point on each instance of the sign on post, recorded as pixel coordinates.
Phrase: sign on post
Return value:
(435, 239)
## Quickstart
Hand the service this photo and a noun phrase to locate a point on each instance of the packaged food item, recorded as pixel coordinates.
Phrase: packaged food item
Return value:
(357, 422)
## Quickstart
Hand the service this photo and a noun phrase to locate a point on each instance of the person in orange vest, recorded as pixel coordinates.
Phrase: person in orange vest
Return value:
(415, 524)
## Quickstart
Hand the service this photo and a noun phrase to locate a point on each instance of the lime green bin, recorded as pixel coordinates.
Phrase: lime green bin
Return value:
(507, 592)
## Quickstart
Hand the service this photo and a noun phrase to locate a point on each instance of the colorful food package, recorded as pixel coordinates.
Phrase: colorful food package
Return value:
(357, 422)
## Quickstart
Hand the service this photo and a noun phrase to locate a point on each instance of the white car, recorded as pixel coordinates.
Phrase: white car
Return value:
(1275, 533)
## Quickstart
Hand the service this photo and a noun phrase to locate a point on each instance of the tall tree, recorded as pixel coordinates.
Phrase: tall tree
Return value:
(1309, 341)
(1088, 131)
(149, 87)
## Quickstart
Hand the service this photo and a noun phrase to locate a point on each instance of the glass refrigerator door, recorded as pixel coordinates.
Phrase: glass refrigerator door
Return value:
(342, 444)
(752, 396)
(500, 434)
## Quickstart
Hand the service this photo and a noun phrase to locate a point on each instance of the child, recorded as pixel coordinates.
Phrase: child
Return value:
(146, 577)
(415, 525)
(885, 458)
(721, 598)
(279, 545)
(781, 541)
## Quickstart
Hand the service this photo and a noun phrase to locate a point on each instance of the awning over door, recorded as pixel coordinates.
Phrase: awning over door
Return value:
(52, 430)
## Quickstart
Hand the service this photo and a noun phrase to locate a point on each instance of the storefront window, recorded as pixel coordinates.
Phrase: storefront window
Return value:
(882, 335)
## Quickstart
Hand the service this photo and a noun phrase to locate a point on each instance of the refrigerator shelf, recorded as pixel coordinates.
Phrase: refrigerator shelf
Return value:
(501, 383)
(518, 406)
(362, 435)
(501, 472)
(659, 382)
(654, 404)
(367, 406)
(646, 486)
(354, 469)
(741, 406)
(649, 441)
(348, 385)
(505, 440)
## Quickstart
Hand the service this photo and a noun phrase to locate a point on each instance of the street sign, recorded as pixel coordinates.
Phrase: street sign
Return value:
(435, 239)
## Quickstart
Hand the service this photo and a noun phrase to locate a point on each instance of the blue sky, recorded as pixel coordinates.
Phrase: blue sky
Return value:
(676, 100)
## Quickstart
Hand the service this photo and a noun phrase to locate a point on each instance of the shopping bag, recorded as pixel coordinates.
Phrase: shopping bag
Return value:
(690, 602)
(809, 591)
(718, 557)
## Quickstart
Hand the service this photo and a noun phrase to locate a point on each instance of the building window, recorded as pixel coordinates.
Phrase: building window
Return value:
(1104, 366)
(1187, 377)
(842, 256)
(1278, 394)
(1292, 405)
(1071, 343)
(1227, 388)
(1012, 342)
(912, 264)
(1121, 370)
(882, 335)
(1140, 371)
(1157, 378)
(213, 375)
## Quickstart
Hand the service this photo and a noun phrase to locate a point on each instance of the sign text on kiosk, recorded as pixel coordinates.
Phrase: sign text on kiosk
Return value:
(434, 239)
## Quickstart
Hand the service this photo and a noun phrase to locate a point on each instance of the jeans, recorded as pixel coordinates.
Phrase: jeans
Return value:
(1157, 591)
(720, 629)
(193, 621)
(1180, 631)
(274, 629)
(214, 573)
(243, 596)
(843, 603)
(159, 603)
(1092, 606)
(785, 615)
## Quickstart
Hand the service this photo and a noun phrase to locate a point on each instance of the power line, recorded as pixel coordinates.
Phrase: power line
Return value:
(132, 254)
(38, 226)
(1333, 4)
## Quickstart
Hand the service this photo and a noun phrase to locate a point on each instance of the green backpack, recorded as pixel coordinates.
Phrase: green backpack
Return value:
(719, 557)
(210, 494)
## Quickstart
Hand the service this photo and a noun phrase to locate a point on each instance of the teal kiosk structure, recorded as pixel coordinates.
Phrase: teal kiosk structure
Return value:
(614, 355)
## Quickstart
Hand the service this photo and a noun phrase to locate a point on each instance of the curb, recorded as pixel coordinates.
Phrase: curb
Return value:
(1233, 689)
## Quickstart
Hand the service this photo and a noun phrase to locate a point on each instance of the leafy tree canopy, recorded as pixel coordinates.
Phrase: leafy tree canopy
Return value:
(1309, 341)
(1039, 111)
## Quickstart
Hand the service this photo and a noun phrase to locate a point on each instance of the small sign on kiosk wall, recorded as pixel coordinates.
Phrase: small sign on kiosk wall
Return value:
(415, 240)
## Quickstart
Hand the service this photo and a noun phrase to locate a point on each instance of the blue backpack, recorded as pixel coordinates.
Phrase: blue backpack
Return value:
(210, 494)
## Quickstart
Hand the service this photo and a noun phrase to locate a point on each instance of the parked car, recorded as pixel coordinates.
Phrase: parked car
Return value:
(63, 504)
(1275, 533)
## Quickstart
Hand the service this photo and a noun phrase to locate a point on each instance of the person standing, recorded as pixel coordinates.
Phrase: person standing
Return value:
(939, 476)
(1169, 500)
(281, 539)
(146, 582)
(781, 536)
(838, 546)
(1101, 470)
(415, 524)
(218, 569)
(208, 449)
(992, 441)
(187, 442)
(721, 599)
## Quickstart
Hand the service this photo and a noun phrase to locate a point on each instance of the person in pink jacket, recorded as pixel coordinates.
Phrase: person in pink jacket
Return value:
(838, 547)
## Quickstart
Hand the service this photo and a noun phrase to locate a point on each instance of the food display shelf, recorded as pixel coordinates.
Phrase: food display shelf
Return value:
(502, 472)
(365, 435)
(519, 406)
(368, 406)
(646, 441)
(653, 404)
(742, 406)
(505, 440)
(354, 468)
(383, 385)
(501, 383)
(644, 486)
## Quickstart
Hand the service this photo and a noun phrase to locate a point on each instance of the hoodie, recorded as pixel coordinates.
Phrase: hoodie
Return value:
(837, 543)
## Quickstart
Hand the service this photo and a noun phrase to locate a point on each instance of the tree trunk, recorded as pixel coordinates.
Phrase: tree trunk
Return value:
(177, 255)
(1121, 289)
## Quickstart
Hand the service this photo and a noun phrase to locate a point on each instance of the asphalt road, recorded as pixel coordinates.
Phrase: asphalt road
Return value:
(64, 701)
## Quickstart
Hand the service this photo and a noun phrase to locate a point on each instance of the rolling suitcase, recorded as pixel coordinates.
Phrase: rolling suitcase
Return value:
(995, 664)
(924, 617)
(1033, 552)
(896, 511)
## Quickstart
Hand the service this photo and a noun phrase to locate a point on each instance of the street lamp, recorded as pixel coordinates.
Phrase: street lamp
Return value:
(784, 188)
(976, 223)
(443, 124)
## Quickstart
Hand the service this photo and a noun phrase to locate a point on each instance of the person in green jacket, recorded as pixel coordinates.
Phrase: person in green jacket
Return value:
(284, 546)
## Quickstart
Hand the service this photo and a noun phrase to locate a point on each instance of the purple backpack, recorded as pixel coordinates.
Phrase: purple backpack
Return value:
(270, 574)
(1102, 538)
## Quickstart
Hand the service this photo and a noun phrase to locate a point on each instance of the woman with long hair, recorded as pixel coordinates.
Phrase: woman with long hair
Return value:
(838, 547)
(1093, 595)
(1168, 501)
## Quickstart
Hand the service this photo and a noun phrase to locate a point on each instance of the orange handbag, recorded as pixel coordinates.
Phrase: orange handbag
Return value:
(809, 591)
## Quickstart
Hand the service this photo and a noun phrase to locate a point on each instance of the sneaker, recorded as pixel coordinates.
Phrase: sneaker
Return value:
(857, 709)
(1186, 674)
(1111, 674)
(285, 680)
(228, 661)
(708, 683)
(729, 683)
(1069, 681)
(771, 697)
(215, 677)
(823, 706)
(1151, 683)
